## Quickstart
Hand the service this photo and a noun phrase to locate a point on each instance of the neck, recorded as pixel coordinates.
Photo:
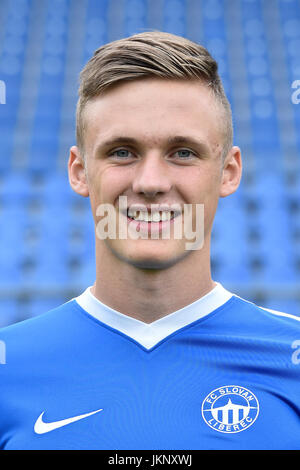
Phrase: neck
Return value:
(148, 295)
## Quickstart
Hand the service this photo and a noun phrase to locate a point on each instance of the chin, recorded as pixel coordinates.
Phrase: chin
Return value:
(152, 264)
(151, 259)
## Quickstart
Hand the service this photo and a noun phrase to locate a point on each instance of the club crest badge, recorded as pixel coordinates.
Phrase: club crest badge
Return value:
(230, 409)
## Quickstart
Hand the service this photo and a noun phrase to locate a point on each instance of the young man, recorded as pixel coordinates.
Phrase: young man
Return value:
(156, 354)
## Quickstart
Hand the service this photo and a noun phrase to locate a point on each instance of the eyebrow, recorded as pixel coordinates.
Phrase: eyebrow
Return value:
(180, 139)
(174, 140)
(117, 141)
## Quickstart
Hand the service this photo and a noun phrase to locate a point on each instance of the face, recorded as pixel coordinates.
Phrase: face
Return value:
(159, 144)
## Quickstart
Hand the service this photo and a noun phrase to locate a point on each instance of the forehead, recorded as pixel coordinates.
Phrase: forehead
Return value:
(153, 110)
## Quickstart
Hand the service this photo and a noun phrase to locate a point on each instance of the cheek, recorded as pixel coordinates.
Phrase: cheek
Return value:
(203, 188)
(106, 185)
(203, 185)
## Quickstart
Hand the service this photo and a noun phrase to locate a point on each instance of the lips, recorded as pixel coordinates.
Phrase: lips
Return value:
(155, 219)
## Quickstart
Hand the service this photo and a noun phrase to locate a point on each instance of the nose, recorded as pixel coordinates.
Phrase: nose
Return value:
(152, 177)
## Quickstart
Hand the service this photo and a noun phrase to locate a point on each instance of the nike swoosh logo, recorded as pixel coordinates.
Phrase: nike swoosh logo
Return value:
(41, 427)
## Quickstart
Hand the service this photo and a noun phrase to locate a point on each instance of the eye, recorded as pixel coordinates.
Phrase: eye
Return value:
(121, 153)
(184, 154)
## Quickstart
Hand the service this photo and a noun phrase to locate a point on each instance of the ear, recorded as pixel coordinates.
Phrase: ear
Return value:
(77, 173)
(232, 172)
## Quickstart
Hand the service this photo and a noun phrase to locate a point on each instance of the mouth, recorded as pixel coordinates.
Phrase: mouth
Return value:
(153, 220)
(151, 216)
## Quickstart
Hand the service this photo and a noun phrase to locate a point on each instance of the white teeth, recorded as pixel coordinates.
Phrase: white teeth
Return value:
(132, 213)
(143, 216)
(166, 216)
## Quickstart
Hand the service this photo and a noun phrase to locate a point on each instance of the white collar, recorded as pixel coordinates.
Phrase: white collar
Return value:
(149, 334)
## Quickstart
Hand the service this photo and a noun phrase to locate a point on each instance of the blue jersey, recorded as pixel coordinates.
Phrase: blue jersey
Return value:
(221, 373)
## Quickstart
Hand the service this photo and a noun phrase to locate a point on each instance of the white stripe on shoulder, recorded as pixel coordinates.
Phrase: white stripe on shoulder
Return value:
(281, 314)
(275, 312)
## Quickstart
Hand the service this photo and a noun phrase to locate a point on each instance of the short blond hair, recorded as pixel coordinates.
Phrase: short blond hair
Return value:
(145, 55)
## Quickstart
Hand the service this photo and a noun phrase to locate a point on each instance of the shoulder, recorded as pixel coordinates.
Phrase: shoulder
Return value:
(44, 318)
(271, 313)
(273, 322)
(35, 334)
(290, 319)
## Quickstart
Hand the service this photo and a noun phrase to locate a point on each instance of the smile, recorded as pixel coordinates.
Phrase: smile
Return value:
(153, 216)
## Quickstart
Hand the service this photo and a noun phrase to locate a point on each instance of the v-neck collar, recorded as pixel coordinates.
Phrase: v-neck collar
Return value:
(149, 334)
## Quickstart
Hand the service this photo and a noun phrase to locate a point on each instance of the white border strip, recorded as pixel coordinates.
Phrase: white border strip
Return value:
(149, 334)
(281, 314)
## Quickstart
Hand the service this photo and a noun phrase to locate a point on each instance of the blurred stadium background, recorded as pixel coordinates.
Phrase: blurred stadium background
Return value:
(46, 233)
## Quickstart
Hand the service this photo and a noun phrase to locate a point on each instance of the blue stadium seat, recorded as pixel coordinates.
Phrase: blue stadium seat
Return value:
(8, 312)
(38, 306)
(14, 188)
